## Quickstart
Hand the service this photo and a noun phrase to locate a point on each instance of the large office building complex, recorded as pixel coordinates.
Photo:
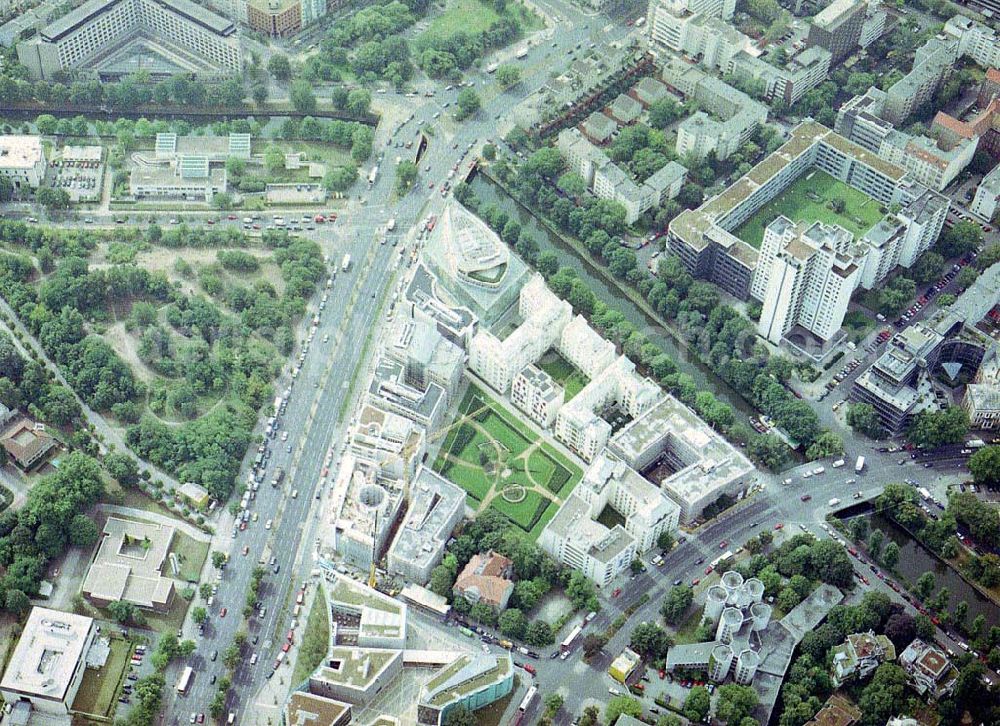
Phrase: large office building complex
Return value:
(683, 455)
(106, 36)
(366, 654)
(903, 381)
(281, 18)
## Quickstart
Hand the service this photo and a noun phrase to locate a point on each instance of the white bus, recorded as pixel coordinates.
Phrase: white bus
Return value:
(185, 681)
(724, 557)
(573, 634)
(528, 698)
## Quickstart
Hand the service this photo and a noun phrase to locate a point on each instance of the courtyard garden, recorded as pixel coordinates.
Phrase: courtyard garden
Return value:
(564, 373)
(815, 197)
(503, 464)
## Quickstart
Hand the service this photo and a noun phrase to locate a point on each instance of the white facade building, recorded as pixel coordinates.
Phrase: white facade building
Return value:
(22, 160)
(669, 20)
(975, 40)
(806, 277)
(545, 315)
(579, 424)
(987, 197)
(683, 455)
(534, 393)
(576, 539)
(47, 665)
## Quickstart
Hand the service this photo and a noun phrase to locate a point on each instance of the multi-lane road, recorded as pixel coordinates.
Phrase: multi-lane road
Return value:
(332, 372)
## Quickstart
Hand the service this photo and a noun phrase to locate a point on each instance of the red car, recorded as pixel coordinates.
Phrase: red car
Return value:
(694, 582)
(779, 525)
(319, 219)
(663, 674)
(290, 636)
(708, 570)
(209, 221)
(243, 526)
(222, 613)
(723, 544)
(286, 647)
(806, 497)
(530, 668)
(616, 592)
(231, 217)
(201, 718)
(326, 470)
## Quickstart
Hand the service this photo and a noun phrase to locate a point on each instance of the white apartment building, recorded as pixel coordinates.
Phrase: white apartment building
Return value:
(648, 512)
(579, 424)
(609, 181)
(535, 394)
(584, 347)
(682, 455)
(975, 40)
(987, 198)
(545, 315)
(874, 26)
(806, 276)
(577, 540)
(727, 117)
(933, 163)
(192, 36)
(669, 20)
(22, 160)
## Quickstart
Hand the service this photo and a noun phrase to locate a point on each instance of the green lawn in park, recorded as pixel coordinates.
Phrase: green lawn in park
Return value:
(498, 429)
(808, 199)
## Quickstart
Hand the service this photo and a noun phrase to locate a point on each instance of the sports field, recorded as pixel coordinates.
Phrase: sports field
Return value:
(501, 463)
(810, 198)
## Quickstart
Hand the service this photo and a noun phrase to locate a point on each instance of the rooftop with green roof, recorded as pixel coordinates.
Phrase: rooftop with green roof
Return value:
(467, 674)
(355, 667)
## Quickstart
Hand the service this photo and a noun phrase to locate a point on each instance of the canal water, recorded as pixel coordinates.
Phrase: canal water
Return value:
(915, 560)
(490, 193)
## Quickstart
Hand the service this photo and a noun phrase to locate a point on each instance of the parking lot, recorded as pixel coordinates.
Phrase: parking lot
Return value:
(80, 177)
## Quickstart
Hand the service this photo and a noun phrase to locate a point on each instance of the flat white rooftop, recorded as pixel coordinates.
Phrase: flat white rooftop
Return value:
(51, 645)
(20, 152)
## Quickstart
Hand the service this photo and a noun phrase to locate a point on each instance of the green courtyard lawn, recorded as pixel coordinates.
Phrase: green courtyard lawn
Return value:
(807, 199)
(191, 555)
(564, 373)
(96, 696)
(470, 16)
(473, 17)
(484, 431)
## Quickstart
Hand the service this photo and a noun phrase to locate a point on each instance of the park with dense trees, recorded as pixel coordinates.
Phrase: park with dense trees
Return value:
(198, 367)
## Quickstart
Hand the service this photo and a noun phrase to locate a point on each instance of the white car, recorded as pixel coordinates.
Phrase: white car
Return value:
(267, 524)
(284, 436)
